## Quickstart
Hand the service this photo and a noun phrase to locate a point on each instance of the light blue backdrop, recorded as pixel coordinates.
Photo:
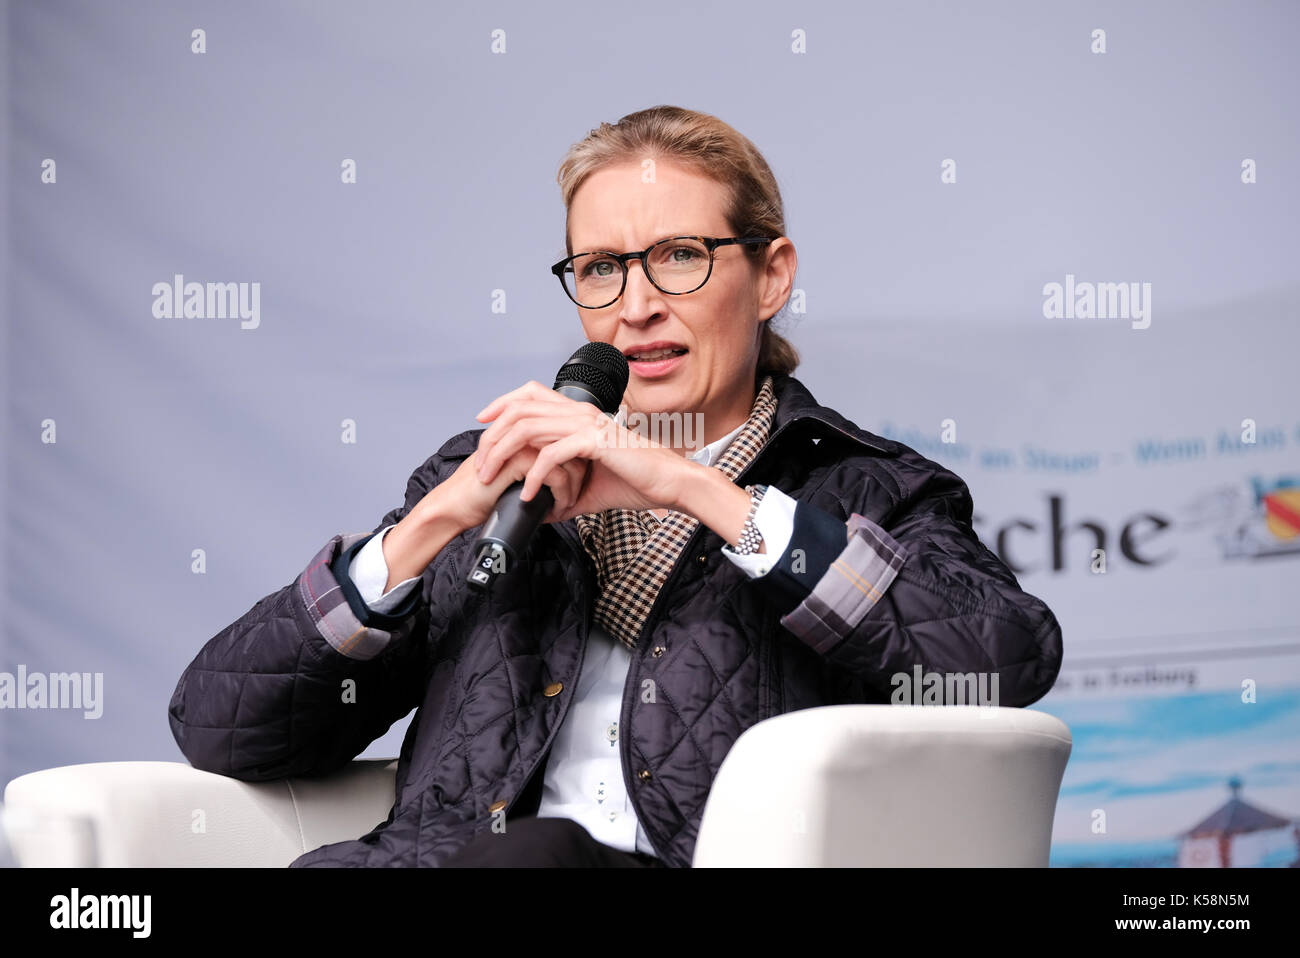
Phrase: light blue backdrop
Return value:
(924, 303)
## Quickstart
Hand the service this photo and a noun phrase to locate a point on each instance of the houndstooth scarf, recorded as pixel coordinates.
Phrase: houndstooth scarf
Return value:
(634, 550)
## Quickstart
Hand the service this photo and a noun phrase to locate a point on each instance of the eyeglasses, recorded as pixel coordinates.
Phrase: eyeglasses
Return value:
(677, 265)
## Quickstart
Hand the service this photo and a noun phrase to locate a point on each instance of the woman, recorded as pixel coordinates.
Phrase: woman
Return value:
(677, 594)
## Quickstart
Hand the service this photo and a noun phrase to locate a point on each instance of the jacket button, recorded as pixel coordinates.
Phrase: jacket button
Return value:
(553, 689)
(497, 806)
(644, 774)
(702, 559)
(657, 651)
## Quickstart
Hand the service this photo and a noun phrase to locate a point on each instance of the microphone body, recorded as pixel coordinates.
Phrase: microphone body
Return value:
(597, 373)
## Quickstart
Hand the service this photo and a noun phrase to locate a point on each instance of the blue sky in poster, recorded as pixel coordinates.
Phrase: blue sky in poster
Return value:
(1158, 765)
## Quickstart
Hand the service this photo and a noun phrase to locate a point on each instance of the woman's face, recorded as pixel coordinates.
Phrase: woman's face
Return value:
(717, 325)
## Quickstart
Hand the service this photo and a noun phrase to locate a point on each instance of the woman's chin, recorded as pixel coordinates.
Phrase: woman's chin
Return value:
(655, 398)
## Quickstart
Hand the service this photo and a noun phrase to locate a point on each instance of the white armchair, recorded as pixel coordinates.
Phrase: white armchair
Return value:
(843, 785)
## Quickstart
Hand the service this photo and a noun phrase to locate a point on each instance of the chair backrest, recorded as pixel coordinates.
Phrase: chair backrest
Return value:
(888, 785)
(168, 814)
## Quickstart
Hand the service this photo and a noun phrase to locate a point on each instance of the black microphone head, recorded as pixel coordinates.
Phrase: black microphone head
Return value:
(601, 370)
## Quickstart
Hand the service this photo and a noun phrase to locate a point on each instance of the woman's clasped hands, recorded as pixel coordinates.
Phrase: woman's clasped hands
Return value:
(588, 460)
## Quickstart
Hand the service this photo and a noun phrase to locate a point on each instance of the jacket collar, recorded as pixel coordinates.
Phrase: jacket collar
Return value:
(797, 409)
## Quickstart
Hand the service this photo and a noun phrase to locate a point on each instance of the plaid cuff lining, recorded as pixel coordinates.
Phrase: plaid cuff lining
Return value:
(854, 583)
(329, 609)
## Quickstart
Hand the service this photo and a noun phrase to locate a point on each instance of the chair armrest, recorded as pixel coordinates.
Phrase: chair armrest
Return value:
(169, 814)
(888, 785)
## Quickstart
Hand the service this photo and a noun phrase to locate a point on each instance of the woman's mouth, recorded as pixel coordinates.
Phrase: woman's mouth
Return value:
(656, 361)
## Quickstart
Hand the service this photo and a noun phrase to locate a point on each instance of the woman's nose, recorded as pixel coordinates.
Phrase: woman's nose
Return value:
(640, 294)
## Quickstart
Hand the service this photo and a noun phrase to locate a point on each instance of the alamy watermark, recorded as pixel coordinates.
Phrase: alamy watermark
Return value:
(55, 690)
(181, 300)
(1073, 300)
(943, 688)
(75, 911)
(677, 430)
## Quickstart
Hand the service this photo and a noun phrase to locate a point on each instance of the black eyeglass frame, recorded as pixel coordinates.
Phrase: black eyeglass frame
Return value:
(710, 243)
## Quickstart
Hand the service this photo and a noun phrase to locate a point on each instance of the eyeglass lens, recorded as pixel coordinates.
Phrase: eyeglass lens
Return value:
(676, 266)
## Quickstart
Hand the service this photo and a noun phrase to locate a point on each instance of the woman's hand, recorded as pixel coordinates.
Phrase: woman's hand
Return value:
(622, 469)
(463, 502)
(470, 501)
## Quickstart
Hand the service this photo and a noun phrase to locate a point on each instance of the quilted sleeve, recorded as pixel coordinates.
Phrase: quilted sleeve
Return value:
(911, 600)
(308, 677)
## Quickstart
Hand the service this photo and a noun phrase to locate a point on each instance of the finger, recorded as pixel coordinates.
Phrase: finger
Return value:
(529, 390)
(562, 450)
(535, 431)
(581, 470)
(491, 409)
(512, 470)
(578, 470)
(560, 482)
(513, 412)
(525, 408)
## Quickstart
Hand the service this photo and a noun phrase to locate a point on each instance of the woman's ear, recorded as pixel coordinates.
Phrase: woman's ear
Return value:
(777, 277)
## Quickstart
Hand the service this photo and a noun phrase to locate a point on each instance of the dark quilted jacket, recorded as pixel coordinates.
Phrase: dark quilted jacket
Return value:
(264, 698)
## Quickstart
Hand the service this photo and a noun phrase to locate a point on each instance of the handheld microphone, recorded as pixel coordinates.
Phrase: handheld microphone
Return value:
(597, 373)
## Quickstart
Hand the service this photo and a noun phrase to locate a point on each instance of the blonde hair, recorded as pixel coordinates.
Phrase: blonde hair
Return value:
(717, 151)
